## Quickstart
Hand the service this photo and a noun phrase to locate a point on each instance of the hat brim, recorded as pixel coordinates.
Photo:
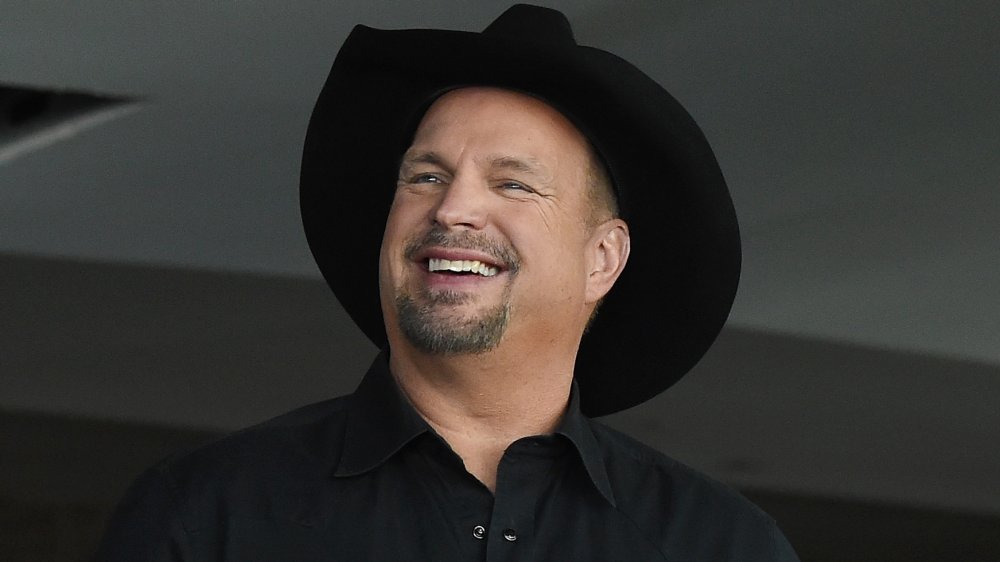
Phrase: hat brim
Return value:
(676, 292)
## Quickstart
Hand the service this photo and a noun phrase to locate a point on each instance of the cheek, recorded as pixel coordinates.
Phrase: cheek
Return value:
(393, 241)
(407, 214)
(558, 258)
(402, 219)
(386, 276)
(406, 221)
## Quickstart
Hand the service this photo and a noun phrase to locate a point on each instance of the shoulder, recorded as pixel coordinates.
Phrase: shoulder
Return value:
(260, 471)
(298, 444)
(636, 469)
(259, 465)
(308, 433)
(690, 515)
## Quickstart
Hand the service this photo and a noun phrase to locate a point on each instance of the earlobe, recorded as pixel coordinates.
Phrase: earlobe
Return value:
(610, 246)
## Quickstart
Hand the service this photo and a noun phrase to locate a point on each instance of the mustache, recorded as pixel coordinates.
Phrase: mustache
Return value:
(503, 253)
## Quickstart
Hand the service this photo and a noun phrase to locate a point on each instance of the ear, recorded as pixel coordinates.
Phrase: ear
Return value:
(608, 250)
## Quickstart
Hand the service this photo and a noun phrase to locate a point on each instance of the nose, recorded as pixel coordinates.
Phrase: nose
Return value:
(462, 205)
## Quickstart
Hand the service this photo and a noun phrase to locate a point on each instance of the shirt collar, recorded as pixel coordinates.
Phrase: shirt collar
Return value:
(576, 427)
(381, 421)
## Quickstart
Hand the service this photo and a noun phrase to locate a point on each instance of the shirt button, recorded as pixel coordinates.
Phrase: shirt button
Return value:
(510, 535)
(479, 532)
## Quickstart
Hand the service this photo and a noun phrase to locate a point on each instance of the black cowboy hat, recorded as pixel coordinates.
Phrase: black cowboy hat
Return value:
(675, 293)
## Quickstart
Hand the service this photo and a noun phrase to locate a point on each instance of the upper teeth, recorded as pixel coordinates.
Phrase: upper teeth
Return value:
(475, 266)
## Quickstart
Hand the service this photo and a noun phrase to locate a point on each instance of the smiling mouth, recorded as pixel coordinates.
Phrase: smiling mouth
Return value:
(470, 267)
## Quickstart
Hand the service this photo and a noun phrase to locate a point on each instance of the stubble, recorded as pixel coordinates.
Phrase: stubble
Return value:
(430, 320)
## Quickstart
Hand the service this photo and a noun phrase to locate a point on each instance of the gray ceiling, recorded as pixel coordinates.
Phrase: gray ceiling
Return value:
(861, 142)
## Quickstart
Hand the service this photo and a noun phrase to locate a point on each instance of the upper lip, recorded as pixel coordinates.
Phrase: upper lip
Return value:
(453, 254)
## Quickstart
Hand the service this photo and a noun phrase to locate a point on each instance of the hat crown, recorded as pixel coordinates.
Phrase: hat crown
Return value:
(533, 23)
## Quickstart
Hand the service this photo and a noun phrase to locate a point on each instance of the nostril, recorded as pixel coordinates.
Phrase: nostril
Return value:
(459, 210)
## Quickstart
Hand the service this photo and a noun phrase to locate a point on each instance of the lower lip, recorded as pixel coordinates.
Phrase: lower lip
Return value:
(456, 282)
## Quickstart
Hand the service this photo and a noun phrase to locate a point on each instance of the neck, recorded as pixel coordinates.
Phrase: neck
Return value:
(482, 403)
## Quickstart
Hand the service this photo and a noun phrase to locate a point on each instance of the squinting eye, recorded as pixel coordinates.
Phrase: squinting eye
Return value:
(425, 178)
(515, 185)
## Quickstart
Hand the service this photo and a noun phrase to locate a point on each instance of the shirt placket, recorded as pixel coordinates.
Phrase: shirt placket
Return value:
(463, 503)
(523, 474)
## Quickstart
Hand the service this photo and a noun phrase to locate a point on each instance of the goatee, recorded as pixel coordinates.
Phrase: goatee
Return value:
(430, 321)
(432, 328)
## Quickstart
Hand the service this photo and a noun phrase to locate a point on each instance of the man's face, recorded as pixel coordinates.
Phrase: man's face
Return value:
(488, 227)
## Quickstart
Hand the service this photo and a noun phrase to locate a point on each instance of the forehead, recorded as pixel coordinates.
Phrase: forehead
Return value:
(502, 118)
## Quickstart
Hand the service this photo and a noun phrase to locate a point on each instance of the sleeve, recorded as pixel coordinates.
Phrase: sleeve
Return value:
(783, 551)
(146, 524)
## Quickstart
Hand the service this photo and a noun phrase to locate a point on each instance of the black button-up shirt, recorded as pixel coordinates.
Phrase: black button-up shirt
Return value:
(363, 477)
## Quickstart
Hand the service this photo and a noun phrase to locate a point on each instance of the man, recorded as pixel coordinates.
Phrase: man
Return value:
(523, 166)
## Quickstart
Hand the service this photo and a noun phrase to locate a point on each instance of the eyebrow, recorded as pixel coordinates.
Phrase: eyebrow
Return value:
(411, 158)
(523, 165)
(496, 162)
